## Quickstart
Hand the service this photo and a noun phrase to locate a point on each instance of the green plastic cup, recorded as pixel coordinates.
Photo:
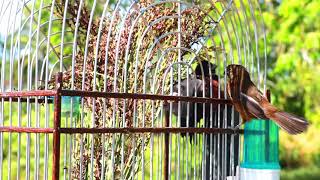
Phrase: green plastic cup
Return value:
(261, 145)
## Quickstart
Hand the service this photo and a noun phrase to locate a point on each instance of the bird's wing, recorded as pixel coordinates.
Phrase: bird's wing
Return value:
(252, 106)
(188, 87)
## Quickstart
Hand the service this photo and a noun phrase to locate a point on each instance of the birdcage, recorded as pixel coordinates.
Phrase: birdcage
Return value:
(87, 87)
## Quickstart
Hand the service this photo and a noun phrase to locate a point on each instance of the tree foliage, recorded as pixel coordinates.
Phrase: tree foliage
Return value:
(294, 70)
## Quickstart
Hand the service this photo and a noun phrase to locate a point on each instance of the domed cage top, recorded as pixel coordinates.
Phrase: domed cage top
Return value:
(104, 87)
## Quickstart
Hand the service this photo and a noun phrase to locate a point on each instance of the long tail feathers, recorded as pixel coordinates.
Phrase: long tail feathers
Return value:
(289, 122)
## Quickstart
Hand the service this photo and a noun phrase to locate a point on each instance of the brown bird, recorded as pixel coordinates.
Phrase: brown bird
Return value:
(250, 102)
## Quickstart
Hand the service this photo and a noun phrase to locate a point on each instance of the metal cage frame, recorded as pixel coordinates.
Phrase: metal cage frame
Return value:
(54, 96)
(57, 130)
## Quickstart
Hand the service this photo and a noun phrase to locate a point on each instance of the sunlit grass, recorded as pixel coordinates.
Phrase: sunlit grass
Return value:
(182, 155)
(185, 157)
(303, 173)
(11, 145)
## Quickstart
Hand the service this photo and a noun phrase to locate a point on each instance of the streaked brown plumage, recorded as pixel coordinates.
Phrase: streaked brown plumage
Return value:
(251, 103)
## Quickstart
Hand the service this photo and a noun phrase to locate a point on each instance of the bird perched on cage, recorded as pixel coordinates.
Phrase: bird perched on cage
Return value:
(251, 103)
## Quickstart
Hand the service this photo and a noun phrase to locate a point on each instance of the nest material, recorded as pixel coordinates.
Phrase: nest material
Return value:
(109, 79)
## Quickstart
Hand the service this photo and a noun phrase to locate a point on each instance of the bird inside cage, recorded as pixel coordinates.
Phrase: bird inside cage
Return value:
(205, 83)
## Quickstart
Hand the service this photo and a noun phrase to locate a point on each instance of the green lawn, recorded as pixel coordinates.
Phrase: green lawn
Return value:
(305, 173)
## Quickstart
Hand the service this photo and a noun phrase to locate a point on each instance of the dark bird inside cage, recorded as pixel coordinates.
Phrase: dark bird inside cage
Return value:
(213, 116)
(196, 86)
(251, 103)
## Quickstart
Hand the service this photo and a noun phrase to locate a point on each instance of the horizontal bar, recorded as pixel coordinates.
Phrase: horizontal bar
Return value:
(28, 93)
(31, 100)
(144, 96)
(37, 93)
(26, 129)
(150, 130)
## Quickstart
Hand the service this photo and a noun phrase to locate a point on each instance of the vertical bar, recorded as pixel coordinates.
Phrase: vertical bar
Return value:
(166, 149)
(187, 134)
(267, 142)
(56, 134)
(178, 136)
(152, 143)
(11, 88)
(19, 88)
(36, 81)
(3, 72)
(65, 164)
(71, 139)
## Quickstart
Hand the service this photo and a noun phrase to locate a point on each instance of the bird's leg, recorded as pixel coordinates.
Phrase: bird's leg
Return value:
(237, 127)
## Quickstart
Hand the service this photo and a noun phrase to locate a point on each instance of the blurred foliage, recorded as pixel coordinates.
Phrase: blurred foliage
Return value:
(294, 69)
(304, 173)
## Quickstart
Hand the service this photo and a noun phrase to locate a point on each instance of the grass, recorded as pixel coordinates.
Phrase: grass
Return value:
(178, 163)
(303, 173)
